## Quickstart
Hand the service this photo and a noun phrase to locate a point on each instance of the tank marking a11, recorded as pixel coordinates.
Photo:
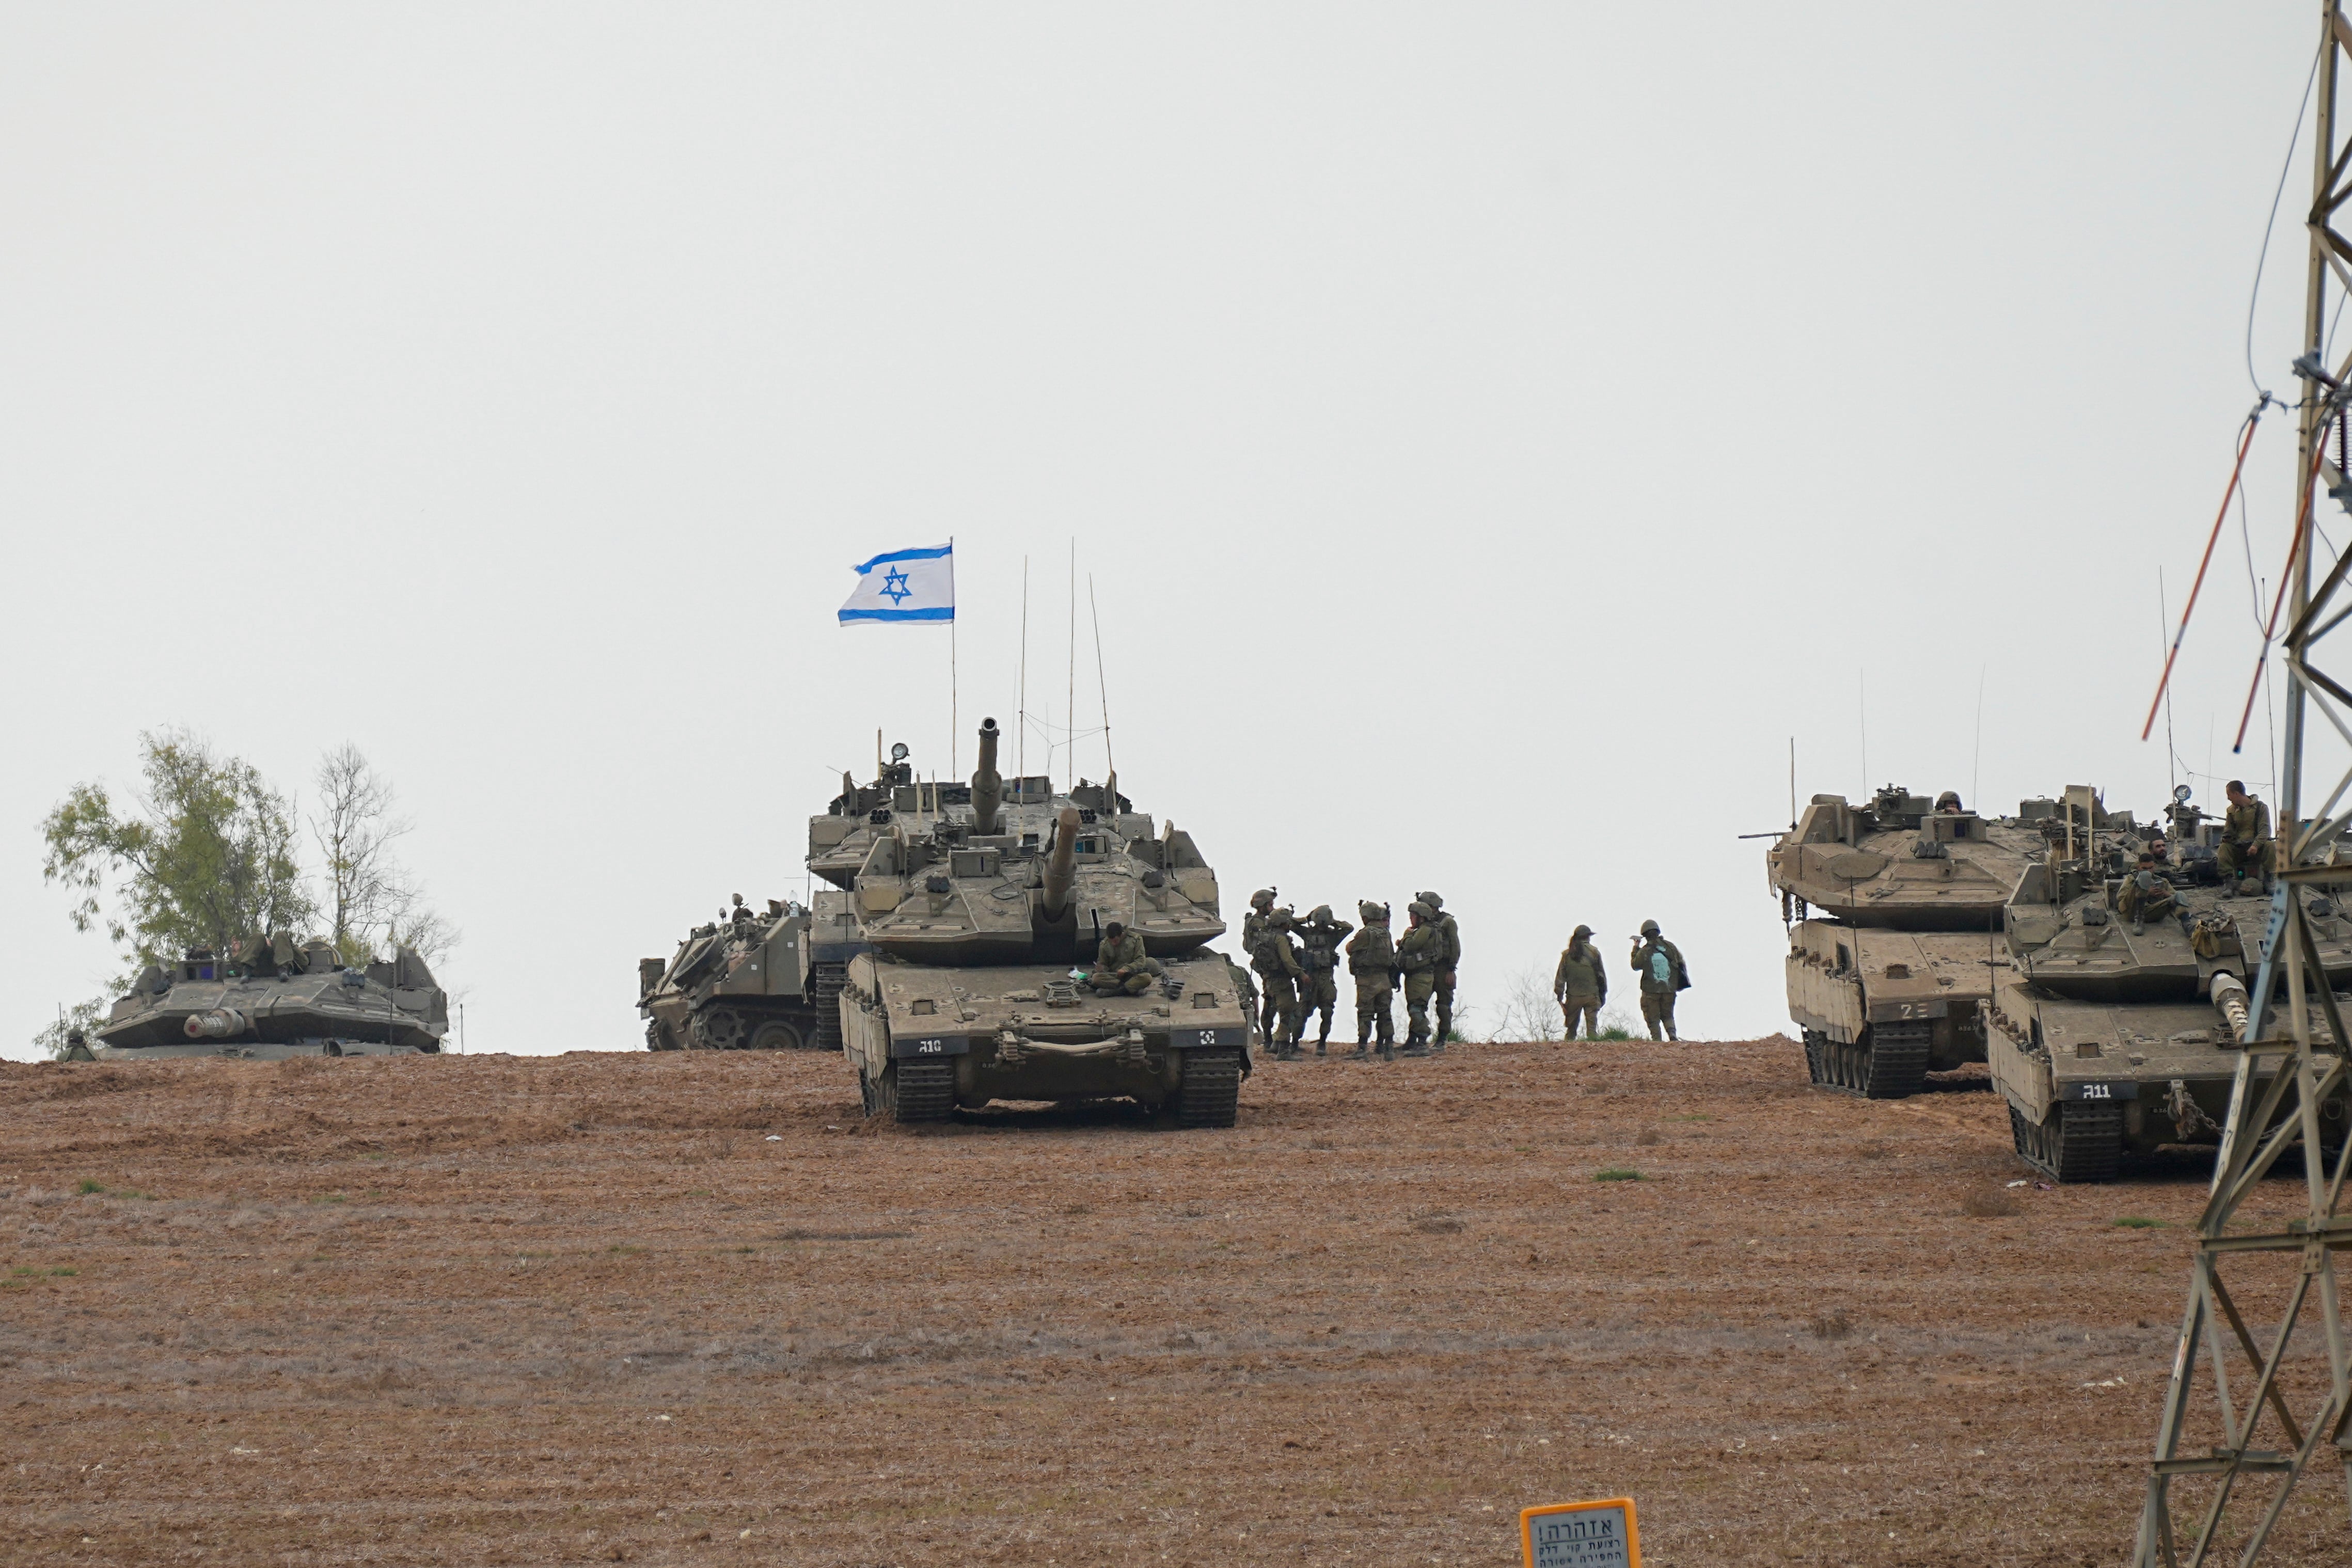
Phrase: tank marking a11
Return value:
(2112, 1037)
(742, 983)
(984, 909)
(278, 998)
(1892, 908)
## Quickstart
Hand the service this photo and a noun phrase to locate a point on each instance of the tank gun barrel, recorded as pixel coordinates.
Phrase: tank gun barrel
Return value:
(1062, 865)
(220, 1023)
(2229, 999)
(987, 784)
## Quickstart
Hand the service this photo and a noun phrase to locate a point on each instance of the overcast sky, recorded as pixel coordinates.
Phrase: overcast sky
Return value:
(1492, 432)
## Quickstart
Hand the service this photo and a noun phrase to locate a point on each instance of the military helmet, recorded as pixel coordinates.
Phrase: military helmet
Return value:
(1262, 899)
(1322, 914)
(1431, 899)
(1949, 797)
(1417, 907)
(1580, 933)
(1649, 929)
(1280, 919)
(1372, 912)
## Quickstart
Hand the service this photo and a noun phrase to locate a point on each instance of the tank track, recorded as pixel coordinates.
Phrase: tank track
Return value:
(826, 980)
(925, 1091)
(1211, 1089)
(1889, 1062)
(2080, 1142)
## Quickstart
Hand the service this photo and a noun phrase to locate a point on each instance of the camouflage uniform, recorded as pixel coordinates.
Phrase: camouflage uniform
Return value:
(1121, 964)
(2145, 896)
(1449, 937)
(1417, 952)
(1371, 959)
(1658, 996)
(1276, 963)
(1319, 988)
(1581, 983)
(1253, 933)
(2245, 844)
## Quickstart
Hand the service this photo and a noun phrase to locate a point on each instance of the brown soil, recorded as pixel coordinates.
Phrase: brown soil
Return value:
(610, 1307)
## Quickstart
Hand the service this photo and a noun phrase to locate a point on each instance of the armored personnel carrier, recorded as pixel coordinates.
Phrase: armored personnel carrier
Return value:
(2115, 1035)
(983, 907)
(1893, 909)
(277, 998)
(740, 983)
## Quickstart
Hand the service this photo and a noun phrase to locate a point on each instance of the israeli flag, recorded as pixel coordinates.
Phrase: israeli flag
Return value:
(904, 585)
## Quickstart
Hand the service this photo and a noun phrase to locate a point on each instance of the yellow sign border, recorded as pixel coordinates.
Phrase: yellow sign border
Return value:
(1527, 1517)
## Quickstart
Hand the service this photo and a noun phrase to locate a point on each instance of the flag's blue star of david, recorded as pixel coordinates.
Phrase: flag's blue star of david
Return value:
(894, 588)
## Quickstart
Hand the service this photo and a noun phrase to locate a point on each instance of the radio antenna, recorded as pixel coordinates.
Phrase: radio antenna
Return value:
(1021, 746)
(1095, 611)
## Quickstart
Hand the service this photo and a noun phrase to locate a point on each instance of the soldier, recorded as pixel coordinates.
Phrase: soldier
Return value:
(1449, 942)
(1371, 958)
(1417, 955)
(1318, 987)
(2245, 838)
(1660, 964)
(1121, 964)
(1948, 803)
(1254, 928)
(1581, 983)
(2146, 895)
(1276, 962)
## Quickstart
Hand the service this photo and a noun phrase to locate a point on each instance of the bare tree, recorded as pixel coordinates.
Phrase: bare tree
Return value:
(1527, 1011)
(372, 901)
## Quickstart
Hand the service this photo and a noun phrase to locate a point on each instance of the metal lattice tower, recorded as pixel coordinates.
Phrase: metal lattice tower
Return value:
(2221, 1502)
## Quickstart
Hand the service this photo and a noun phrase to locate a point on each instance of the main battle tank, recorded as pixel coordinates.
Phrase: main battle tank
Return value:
(982, 906)
(1892, 909)
(740, 983)
(277, 998)
(2114, 1035)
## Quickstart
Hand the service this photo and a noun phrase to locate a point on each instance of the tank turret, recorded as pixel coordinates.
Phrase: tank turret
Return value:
(272, 997)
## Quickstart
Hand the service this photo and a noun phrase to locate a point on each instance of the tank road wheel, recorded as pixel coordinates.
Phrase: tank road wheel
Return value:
(825, 980)
(657, 1036)
(2080, 1142)
(925, 1091)
(716, 1029)
(1210, 1088)
(776, 1034)
(1896, 1066)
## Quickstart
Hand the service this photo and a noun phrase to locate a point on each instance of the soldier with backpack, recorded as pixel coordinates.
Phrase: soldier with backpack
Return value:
(1664, 975)
(1449, 954)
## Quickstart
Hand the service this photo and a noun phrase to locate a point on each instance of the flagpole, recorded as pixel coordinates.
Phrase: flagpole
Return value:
(955, 728)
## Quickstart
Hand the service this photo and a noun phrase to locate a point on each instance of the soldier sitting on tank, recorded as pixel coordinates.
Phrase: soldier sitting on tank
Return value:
(2245, 844)
(1121, 964)
(2146, 894)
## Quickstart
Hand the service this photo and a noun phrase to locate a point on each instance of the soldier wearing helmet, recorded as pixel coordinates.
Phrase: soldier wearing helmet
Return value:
(1276, 962)
(1371, 959)
(1664, 975)
(1417, 955)
(1449, 942)
(1261, 904)
(1948, 803)
(1319, 986)
(1581, 984)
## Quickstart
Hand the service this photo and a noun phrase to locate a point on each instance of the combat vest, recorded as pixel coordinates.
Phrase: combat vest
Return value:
(1322, 942)
(1370, 951)
(1417, 953)
(1449, 941)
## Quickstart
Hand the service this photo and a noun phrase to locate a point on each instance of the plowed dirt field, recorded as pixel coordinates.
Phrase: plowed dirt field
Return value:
(694, 1308)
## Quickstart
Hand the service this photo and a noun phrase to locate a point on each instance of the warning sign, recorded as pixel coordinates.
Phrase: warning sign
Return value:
(1581, 1535)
